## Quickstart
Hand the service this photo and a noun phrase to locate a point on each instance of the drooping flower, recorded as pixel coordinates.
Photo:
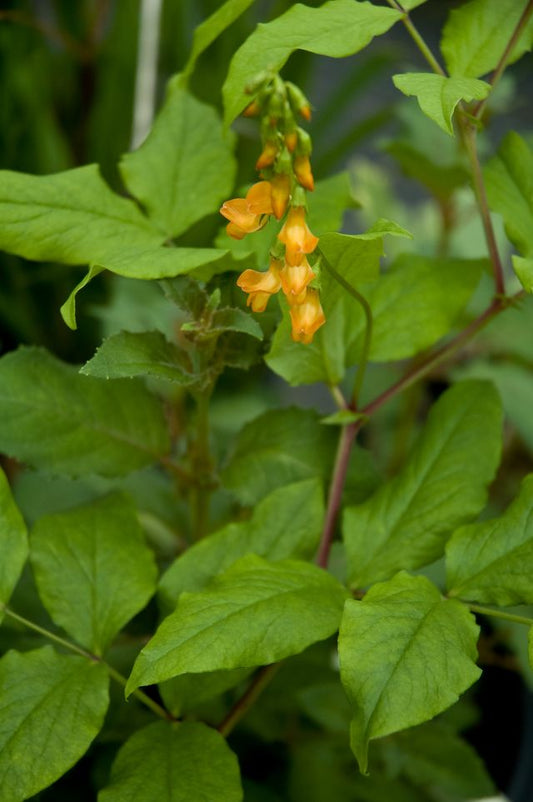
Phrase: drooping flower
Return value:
(260, 285)
(281, 188)
(302, 171)
(268, 155)
(259, 198)
(296, 236)
(294, 280)
(306, 317)
(248, 214)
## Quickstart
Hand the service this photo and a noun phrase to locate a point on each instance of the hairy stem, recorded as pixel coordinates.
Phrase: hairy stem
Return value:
(241, 707)
(113, 673)
(517, 619)
(417, 38)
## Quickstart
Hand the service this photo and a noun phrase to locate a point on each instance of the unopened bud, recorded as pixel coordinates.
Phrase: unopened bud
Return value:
(302, 171)
(252, 110)
(298, 100)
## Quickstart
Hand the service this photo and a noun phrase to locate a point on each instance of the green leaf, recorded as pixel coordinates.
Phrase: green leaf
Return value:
(283, 446)
(405, 655)
(71, 217)
(286, 523)
(338, 28)
(68, 308)
(211, 28)
(509, 183)
(405, 524)
(53, 418)
(524, 270)
(185, 168)
(174, 763)
(13, 542)
(476, 35)
(93, 569)
(343, 417)
(51, 707)
(491, 561)
(423, 296)
(146, 353)
(438, 96)
(255, 613)
(327, 204)
(440, 179)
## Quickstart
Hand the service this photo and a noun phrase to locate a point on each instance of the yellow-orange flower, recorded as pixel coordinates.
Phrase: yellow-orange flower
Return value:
(268, 155)
(260, 285)
(281, 188)
(302, 171)
(296, 236)
(291, 140)
(247, 214)
(306, 318)
(294, 280)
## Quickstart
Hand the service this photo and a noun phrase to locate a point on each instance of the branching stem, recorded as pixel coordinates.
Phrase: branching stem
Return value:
(241, 707)
(417, 38)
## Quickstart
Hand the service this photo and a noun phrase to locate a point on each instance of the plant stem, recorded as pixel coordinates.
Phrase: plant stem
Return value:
(338, 397)
(241, 707)
(469, 133)
(201, 469)
(506, 55)
(417, 38)
(517, 619)
(113, 673)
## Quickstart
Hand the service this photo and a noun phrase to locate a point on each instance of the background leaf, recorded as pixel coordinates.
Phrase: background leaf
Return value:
(210, 29)
(13, 542)
(444, 483)
(405, 654)
(53, 418)
(52, 707)
(492, 561)
(174, 763)
(93, 569)
(338, 28)
(255, 613)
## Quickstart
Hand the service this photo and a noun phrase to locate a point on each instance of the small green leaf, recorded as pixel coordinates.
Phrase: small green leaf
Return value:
(13, 542)
(233, 319)
(443, 484)
(185, 168)
(343, 417)
(477, 33)
(524, 270)
(491, 561)
(438, 96)
(70, 217)
(211, 28)
(93, 569)
(331, 198)
(185, 762)
(352, 257)
(405, 654)
(146, 353)
(509, 182)
(338, 28)
(51, 707)
(68, 309)
(286, 523)
(76, 424)
(255, 613)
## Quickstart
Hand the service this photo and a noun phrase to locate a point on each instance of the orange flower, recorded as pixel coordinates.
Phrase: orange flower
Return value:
(296, 237)
(294, 281)
(306, 318)
(281, 188)
(247, 214)
(302, 171)
(260, 285)
(268, 155)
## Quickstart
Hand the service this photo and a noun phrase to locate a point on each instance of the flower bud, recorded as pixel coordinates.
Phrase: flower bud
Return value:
(252, 109)
(281, 188)
(268, 155)
(302, 171)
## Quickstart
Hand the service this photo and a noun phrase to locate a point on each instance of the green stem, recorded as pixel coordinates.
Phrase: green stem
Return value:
(365, 350)
(338, 397)
(417, 38)
(241, 707)
(201, 469)
(113, 673)
(517, 619)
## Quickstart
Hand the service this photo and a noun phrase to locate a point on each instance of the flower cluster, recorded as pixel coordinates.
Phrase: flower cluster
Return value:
(285, 170)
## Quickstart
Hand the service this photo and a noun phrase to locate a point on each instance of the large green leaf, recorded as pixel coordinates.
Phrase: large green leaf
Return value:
(146, 353)
(211, 28)
(405, 524)
(185, 168)
(476, 35)
(255, 613)
(405, 655)
(422, 295)
(492, 561)
(286, 445)
(187, 762)
(287, 523)
(93, 569)
(51, 708)
(53, 418)
(71, 217)
(509, 182)
(338, 28)
(438, 96)
(13, 542)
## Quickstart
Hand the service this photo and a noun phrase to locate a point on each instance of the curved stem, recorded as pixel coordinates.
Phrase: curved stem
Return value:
(517, 619)
(242, 705)
(113, 673)
(417, 38)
